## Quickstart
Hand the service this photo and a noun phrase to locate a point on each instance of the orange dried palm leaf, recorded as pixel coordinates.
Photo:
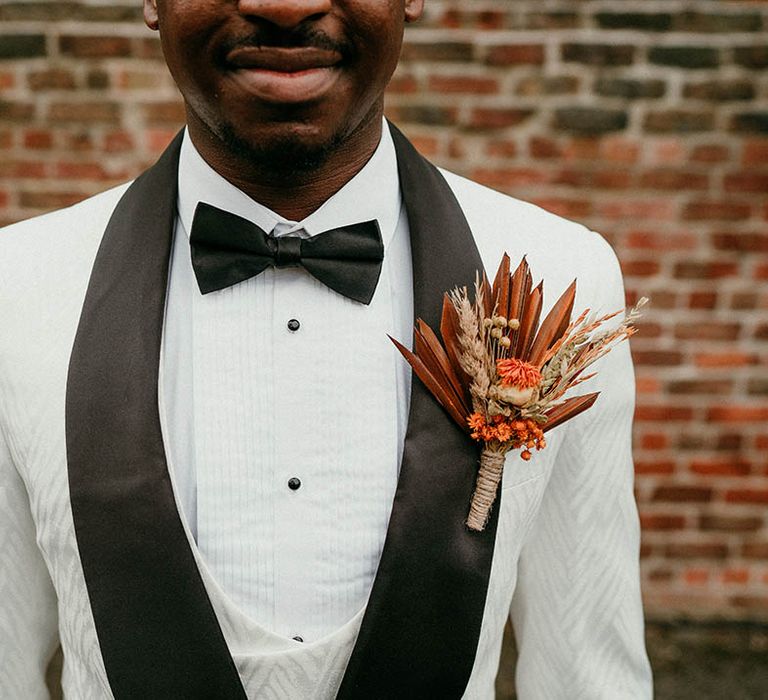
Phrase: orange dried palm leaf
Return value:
(487, 296)
(432, 353)
(556, 321)
(568, 409)
(516, 296)
(433, 385)
(517, 282)
(529, 322)
(501, 287)
(449, 323)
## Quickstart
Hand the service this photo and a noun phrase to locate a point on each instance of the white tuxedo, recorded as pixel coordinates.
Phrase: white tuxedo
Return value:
(86, 496)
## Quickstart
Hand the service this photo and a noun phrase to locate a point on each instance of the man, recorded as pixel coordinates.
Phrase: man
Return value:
(218, 480)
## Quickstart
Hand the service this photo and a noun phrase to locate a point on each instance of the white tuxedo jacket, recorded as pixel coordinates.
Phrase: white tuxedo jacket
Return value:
(94, 551)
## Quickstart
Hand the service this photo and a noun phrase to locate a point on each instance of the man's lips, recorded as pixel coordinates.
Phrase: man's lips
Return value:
(284, 75)
(283, 59)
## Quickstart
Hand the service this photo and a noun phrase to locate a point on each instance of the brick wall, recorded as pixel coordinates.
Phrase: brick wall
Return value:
(645, 119)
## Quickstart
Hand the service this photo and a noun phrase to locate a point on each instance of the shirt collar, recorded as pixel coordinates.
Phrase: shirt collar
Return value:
(374, 193)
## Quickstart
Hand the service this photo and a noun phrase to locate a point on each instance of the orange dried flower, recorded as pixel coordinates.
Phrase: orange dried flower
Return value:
(517, 433)
(518, 373)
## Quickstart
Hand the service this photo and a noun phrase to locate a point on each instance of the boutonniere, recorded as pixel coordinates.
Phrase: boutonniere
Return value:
(501, 375)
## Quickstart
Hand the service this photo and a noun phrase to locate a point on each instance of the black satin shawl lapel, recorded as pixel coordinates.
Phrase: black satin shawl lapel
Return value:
(421, 627)
(157, 630)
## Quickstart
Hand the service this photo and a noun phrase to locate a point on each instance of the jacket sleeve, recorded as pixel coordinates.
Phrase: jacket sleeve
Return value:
(577, 611)
(28, 616)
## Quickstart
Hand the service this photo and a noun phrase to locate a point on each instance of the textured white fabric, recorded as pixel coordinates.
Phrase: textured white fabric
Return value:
(251, 404)
(566, 558)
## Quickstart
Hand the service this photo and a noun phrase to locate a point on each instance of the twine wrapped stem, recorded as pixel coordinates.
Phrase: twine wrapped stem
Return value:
(488, 478)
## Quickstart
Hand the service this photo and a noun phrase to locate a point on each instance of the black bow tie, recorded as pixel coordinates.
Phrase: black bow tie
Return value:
(227, 249)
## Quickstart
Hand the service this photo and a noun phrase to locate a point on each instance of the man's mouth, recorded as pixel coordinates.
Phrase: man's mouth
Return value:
(283, 59)
(284, 75)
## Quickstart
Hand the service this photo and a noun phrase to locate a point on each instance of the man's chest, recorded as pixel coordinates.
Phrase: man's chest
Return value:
(285, 407)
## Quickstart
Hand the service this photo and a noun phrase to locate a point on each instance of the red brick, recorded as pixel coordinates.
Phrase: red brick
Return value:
(706, 387)
(84, 112)
(723, 467)
(654, 441)
(659, 466)
(534, 85)
(738, 414)
(22, 169)
(38, 139)
(444, 51)
(597, 179)
(707, 330)
(164, 112)
(493, 118)
(541, 147)
(741, 301)
(47, 200)
(746, 181)
(745, 242)
(515, 54)
(702, 300)
(647, 385)
(726, 210)
(724, 359)
(51, 79)
(662, 574)
(645, 412)
(119, 141)
(629, 209)
(755, 550)
(509, 177)
(403, 84)
(696, 550)
(680, 493)
(657, 358)
(696, 577)
(655, 240)
(656, 521)
(705, 269)
(729, 441)
(752, 603)
(755, 152)
(95, 46)
(619, 150)
(502, 148)
(730, 523)
(674, 180)
(747, 496)
(710, 153)
(733, 575)
(16, 111)
(463, 84)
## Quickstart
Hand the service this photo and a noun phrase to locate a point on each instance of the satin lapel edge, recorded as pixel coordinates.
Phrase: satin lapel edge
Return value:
(157, 629)
(421, 627)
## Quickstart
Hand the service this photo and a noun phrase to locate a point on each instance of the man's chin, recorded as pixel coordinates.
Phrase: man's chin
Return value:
(282, 152)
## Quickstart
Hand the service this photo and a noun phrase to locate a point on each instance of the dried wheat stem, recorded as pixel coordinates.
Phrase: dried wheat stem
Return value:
(488, 478)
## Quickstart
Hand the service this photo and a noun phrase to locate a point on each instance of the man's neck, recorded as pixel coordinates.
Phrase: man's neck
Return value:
(292, 193)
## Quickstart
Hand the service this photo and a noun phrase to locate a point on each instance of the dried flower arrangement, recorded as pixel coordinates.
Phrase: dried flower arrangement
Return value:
(501, 376)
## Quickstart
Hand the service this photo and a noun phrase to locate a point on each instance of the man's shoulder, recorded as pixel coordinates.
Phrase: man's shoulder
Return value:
(557, 249)
(47, 259)
(76, 220)
(55, 243)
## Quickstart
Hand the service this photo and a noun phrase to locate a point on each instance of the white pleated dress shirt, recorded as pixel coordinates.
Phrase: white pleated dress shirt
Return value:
(251, 404)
